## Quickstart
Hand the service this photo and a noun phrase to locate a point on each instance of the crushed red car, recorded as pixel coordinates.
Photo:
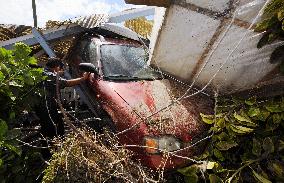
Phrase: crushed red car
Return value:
(131, 93)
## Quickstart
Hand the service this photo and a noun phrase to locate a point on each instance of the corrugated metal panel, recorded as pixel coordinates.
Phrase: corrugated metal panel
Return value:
(91, 21)
(197, 37)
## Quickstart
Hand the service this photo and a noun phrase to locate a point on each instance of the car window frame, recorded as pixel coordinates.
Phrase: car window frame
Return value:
(85, 52)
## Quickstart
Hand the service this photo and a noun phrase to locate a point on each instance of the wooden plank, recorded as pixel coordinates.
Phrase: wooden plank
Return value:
(49, 35)
(43, 42)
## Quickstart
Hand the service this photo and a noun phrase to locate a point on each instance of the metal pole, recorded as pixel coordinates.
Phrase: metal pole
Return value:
(34, 13)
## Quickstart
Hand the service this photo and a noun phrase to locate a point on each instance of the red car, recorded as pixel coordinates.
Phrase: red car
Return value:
(131, 93)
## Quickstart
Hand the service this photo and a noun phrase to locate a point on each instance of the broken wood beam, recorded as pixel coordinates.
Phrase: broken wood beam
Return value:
(49, 35)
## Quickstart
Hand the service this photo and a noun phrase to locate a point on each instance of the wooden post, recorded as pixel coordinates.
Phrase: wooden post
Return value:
(34, 13)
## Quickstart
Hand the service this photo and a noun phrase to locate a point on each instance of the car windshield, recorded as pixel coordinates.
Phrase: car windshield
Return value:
(126, 62)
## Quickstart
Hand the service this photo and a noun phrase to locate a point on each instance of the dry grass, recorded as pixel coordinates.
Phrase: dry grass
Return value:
(87, 157)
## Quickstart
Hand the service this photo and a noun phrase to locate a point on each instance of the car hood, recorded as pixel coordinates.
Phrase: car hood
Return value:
(180, 118)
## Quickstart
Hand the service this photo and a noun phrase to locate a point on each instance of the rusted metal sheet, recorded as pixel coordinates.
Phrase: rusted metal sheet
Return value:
(162, 3)
(210, 42)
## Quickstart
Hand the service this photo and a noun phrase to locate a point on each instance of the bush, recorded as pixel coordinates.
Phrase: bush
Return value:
(18, 93)
(273, 27)
(247, 142)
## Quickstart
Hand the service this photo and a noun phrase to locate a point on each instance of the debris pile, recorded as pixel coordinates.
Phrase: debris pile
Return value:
(85, 156)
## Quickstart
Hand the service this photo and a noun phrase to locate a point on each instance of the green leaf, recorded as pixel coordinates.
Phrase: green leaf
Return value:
(17, 150)
(204, 155)
(210, 165)
(244, 119)
(189, 173)
(251, 101)
(276, 118)
(273, 122)
(277, 168)
(14, 83)
(222, 136)
(226, 145)
(274, 108)
(28, 79)
(21, 52)
(256, 147)
(188, 170)
(214, 129)
(3, 128)
(5, 54)
(260, 178)
(262, 26)
(1, 76)
(240, 129)
(268, 145)
(218, 168)
(4, 69)
(253, 111)
(32, 61)
(264, 114)
(221, 122)
(237, 100)
(13, 133)
(12, 115)
(280, 15)
(272, 8)
(218, 154)
(208, 119)
(1, 163)
(11, 95)
(215, 179)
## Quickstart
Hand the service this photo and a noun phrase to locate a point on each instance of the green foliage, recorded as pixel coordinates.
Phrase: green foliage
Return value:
(190, 173)
(247, 143)
(18, 92)
(273, 27)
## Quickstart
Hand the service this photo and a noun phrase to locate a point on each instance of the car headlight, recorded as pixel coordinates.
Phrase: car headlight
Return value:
(165, 143)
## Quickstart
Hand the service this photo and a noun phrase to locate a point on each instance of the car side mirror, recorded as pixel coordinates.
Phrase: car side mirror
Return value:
(88, 67)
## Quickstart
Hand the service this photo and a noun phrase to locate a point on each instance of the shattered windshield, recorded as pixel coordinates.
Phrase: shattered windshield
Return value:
(126, 62)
